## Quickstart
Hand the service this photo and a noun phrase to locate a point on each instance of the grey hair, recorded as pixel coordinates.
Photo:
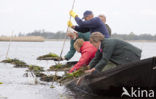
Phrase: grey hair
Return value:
(103, 18)
(96, 37)
(101, 15)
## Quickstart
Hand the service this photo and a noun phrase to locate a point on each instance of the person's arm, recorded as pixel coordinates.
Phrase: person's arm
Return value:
(106, 55)
(95, 60)
(71, 52)
(83, 61)
(81, 29)
(92, 23)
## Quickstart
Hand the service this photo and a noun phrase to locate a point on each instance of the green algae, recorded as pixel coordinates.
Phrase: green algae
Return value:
(39, 74)
(55, 67)
(38, 71)
(50, 78)
(70, 76)
(52, 86)
(34, 68)
(62, 67)
(59, 67)
(17, 63)
(50, 56)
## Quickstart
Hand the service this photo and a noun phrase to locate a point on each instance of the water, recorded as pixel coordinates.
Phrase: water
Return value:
(18, 87)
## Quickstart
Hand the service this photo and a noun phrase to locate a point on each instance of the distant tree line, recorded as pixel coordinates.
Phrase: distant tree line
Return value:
(133, 36)
(46, 35)
(61, 35)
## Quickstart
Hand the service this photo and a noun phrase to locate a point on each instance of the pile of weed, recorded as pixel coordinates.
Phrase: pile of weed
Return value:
(62, 67)
(50, 78)
(17, 63)
(34, 68)
(59, 67)
(70, 76)
(50, 56)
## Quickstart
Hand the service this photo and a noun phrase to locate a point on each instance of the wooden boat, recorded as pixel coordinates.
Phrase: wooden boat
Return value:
(139, 75)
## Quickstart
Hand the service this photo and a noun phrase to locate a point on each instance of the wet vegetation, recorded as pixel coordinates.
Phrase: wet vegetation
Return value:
(37, 71)
(62, 67)
(59, 67)
(17, 63)
(50, 78)
(50, 56)
(34, 68)
(69, 76)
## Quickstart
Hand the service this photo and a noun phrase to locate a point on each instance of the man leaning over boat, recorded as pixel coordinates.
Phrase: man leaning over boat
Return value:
(116, 51)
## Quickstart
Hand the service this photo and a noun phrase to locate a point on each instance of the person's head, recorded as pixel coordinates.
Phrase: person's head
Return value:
(96, 39)
(87, 15)
(78, 44)
(103, 18)
(72, 33)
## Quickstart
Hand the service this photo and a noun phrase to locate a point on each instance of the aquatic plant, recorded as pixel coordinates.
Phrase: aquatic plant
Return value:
(39, 74)
(35, 68)
(49, 78)
(62, 67)
(52, 86)
(76, 74)
(56, 67)
(50, 56)
(1, 83)
(35, 71)
(16, 62)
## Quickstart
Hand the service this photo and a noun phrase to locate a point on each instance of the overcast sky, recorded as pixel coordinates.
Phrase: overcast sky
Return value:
(123, 16)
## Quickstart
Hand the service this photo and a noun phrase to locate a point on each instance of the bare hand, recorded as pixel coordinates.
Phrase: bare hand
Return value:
(90, 70)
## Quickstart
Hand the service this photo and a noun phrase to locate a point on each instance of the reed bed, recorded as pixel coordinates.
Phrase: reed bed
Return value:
(23, 39)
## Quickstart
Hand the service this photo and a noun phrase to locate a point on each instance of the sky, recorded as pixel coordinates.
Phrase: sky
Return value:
(123, 16)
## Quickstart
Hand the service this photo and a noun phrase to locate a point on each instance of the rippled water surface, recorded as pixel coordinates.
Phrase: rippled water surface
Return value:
(15, 86)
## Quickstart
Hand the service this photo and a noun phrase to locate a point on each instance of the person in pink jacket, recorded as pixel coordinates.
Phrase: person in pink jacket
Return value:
(87, 51)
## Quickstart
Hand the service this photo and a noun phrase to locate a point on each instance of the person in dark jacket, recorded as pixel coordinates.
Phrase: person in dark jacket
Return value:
(91, 23)
(114, 50)
(87, 51)
(103, 18)
(73, 37)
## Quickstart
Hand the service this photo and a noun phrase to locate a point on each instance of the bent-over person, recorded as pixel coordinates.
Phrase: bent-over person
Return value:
(116, 51)
(87, 51)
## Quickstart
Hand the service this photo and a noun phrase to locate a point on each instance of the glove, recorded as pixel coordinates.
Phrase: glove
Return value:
(69, 24)
(73, 14)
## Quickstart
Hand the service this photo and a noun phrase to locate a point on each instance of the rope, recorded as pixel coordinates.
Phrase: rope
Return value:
(67, 30)
(9, 45)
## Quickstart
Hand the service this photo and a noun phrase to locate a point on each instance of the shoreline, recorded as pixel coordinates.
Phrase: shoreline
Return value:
(123, 40)
(22, 39)
(41, 39)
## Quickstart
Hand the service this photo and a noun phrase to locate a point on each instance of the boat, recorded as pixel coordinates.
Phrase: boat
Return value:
(139, 75)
